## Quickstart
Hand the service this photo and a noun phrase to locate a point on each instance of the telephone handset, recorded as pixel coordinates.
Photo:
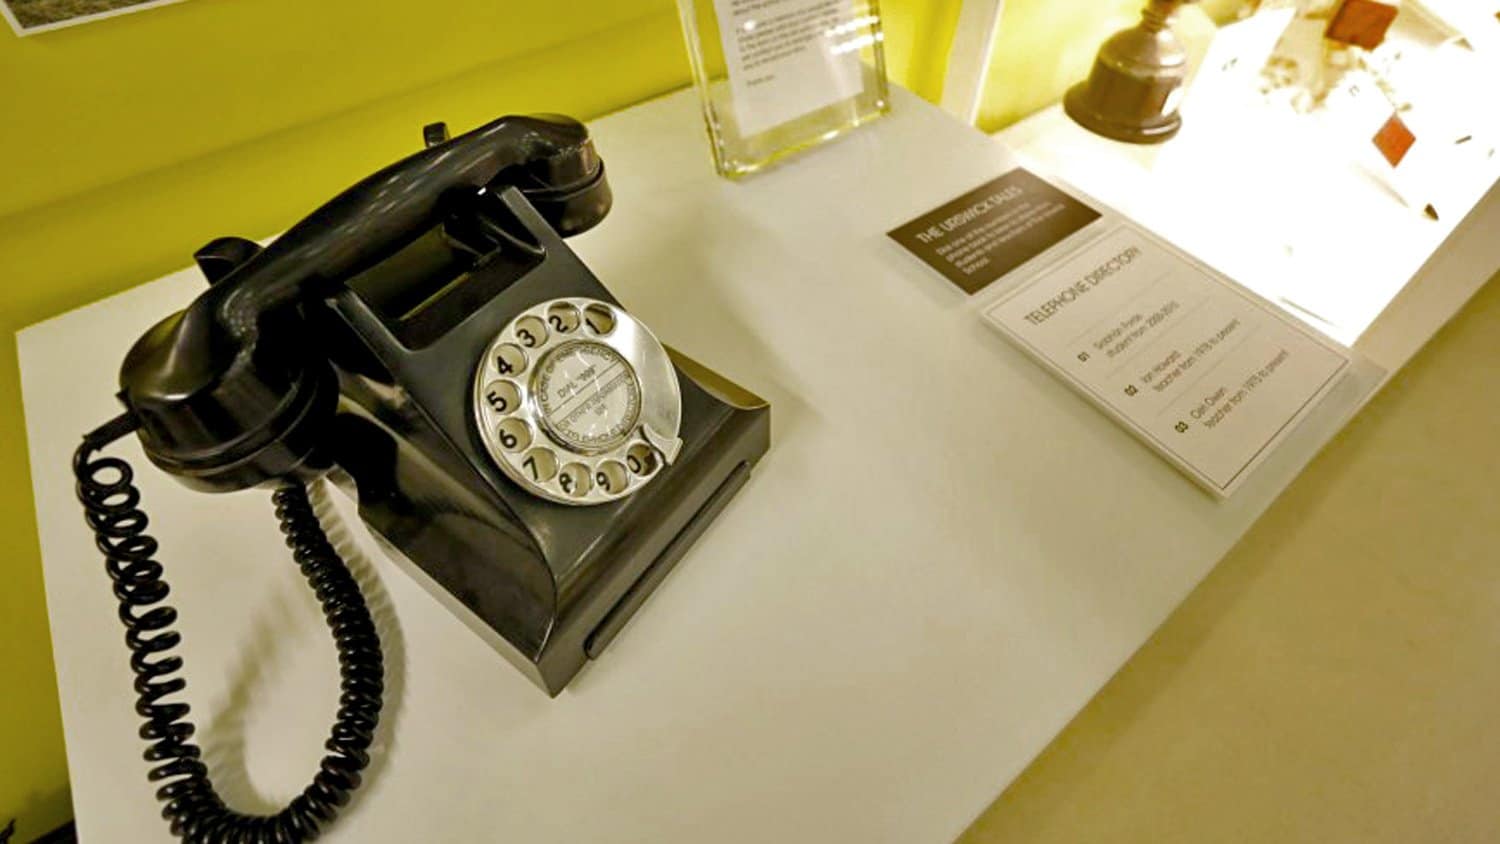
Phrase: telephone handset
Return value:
(524, 447)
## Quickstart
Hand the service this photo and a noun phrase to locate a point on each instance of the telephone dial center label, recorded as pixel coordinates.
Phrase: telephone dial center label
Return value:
(588, 396)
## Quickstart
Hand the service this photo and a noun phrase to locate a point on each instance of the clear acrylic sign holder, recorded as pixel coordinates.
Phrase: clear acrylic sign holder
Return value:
(778, 76)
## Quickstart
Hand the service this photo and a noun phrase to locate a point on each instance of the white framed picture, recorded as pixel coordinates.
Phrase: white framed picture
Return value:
(28, 17)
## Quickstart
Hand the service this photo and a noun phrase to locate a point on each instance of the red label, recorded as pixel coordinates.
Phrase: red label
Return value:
(1393, 140)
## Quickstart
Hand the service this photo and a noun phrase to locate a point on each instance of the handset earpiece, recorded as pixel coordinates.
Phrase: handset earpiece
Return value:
(232, 392)
(566, 185)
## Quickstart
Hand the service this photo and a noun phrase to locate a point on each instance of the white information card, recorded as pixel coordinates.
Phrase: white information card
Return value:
(788, 57)
(1196, 366)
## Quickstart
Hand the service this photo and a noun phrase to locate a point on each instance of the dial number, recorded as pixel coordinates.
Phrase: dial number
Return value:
(574, 480)
(610, 476)
(514, 435)
(563, 318)
(641, 459)
(600, 319)
(502, 396)
(509, 359)
(540, 464)
(531, 332)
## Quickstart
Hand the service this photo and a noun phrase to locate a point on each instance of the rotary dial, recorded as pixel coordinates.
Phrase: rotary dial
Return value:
(577, 402)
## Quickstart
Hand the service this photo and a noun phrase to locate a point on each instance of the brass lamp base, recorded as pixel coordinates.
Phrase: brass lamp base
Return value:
(1085, 110)
(1133, 91)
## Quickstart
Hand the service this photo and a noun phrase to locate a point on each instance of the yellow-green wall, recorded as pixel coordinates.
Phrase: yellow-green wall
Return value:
(129, 142)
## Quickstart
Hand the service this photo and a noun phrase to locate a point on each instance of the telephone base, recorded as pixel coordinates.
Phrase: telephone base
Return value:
(615, 620)
(470, 564)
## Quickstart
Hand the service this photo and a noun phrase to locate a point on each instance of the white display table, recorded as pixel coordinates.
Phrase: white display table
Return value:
(943, 557)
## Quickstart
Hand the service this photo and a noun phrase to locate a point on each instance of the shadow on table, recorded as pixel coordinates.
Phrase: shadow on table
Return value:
(224, 751)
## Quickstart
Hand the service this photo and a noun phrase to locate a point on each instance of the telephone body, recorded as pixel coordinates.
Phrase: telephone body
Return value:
(489, 522)
(526, 447)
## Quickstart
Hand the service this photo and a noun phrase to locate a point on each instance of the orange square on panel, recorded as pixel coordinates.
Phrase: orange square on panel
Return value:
(1394, 140)
(1362, 23)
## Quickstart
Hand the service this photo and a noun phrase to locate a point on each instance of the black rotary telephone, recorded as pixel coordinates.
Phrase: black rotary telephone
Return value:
(522, 443)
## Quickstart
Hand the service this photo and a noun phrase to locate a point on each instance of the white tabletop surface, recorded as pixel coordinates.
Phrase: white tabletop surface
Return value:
(945, 554)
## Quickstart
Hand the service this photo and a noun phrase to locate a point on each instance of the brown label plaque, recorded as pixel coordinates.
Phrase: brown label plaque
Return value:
(993, 229)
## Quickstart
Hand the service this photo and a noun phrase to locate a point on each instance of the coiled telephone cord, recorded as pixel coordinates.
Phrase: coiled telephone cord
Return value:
(193, 808)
